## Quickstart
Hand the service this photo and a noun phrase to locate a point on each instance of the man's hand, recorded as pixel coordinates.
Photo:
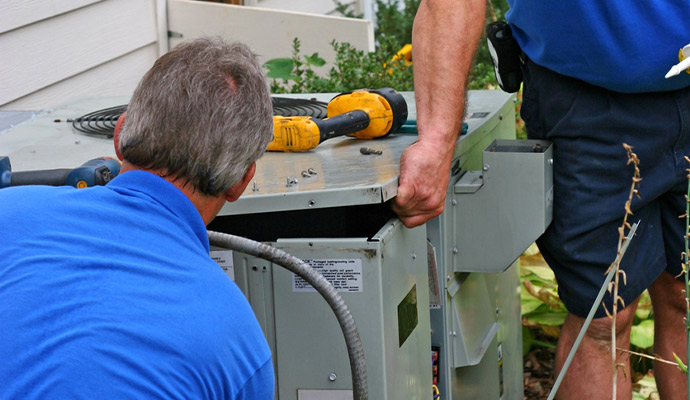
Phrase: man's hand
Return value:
(424, 174)
(445, 35)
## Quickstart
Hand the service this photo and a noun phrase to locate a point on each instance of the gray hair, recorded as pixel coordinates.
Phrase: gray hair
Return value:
(202, 113)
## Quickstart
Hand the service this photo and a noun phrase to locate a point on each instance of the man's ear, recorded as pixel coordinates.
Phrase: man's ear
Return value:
(236, 191)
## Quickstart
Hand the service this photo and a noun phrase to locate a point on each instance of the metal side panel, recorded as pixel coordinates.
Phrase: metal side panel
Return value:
(473, 320)
(386, 290)
(508, 211)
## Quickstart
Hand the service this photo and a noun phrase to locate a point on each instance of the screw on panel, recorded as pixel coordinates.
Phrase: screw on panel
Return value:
(332, 377)
(414, 256)
(369, 150)
(311, 171)
(455, 250)
(550, 161)
(311, 203)
(305, 174)
(255, 187)
(485, 167)
(454, 202)
(291, 180)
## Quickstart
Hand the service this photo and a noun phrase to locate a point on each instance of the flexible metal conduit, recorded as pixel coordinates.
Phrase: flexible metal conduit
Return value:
(305, 271)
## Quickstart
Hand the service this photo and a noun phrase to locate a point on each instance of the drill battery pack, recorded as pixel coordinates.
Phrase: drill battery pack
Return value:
(505, 56)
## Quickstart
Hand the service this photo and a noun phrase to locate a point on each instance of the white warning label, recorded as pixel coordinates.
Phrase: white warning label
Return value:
(224, 259)
(344, 275)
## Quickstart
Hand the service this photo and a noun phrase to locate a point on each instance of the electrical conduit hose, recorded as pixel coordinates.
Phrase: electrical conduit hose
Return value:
(305, 271)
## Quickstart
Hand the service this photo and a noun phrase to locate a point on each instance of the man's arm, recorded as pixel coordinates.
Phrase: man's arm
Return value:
(444, 38)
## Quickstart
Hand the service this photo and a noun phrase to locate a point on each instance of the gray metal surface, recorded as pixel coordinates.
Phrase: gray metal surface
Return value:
(509, 204)
(307, 343)
(343, 177)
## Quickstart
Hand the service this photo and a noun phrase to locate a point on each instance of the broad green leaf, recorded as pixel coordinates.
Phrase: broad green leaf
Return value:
(529, 304)
(532, 250)
(646, 387)
(643, 313)
(542, 272)
(642, 334)
(552, 318)
(315, 60)
(280, 68)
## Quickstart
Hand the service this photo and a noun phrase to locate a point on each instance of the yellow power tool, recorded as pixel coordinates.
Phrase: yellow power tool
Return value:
(364, 114)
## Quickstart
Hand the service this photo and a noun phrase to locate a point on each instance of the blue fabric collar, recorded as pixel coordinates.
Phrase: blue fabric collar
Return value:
(146, 184)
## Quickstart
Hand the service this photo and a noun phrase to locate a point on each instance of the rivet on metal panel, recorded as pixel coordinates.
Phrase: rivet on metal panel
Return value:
(455, 250)
(332, 377)
(454, 202)
(311, 203)
(414, 256)
(453, 333)
(550, 161)
(485, 167)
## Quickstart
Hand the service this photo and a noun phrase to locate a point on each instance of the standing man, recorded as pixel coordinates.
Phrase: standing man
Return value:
(109, 292)
(593, 80)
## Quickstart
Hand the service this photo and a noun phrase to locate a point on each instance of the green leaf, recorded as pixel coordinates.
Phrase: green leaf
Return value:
(529, 304)
(681, 365)
(280, 68)
(551, 318)
(315, 60)
(526, 340)
(647, 387)
(542, 272)
(642, 334)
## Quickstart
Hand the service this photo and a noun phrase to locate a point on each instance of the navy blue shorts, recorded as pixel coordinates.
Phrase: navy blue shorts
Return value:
(588, 126)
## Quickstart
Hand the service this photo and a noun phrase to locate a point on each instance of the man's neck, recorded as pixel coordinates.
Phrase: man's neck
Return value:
(207, 206)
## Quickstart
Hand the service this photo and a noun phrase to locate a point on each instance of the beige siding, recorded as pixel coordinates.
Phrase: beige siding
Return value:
(55, 50)
(269, 32)
(16, 13)
(59, 48)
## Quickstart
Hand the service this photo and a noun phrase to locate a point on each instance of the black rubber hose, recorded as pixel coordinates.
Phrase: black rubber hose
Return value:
(353, 342)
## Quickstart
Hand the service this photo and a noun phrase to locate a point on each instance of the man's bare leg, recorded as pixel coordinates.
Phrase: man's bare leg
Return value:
(590, 374)
(669, 335)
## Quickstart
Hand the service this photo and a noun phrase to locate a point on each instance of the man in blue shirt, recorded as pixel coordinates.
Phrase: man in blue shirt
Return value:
(594, 79)
(109, 292)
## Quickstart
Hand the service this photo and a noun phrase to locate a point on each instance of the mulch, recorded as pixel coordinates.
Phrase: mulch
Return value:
(538, 369)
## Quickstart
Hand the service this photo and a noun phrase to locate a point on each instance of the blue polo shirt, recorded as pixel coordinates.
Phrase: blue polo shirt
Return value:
(623, 45)
(109, 292)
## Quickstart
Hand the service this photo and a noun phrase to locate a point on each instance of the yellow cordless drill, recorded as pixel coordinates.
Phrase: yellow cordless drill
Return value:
(364, 114)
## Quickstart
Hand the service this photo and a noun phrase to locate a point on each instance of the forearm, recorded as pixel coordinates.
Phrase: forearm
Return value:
(445, 37)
